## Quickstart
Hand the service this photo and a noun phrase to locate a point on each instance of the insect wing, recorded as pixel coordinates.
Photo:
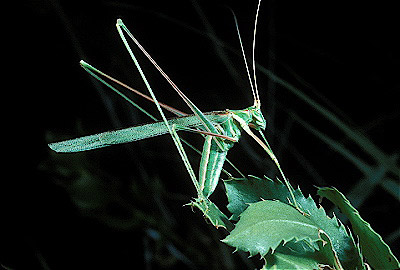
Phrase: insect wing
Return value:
(130, 134)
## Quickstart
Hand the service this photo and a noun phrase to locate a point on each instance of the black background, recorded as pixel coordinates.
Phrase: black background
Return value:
(343, 56)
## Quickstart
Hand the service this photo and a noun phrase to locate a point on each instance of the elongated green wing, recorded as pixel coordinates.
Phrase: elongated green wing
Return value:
(131, 134)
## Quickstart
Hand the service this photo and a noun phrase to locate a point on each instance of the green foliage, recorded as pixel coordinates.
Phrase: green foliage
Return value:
(289, 261)
(377, 252)
(241, 192)
(259, 229)
(286, 238)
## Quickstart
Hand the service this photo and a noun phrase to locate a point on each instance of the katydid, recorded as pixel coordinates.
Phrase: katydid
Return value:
(221, 129)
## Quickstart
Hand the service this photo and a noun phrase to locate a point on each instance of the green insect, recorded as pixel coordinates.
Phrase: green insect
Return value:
(221, 129)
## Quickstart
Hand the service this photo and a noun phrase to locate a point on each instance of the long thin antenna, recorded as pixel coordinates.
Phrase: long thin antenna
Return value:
(244, 58)
(257, 101)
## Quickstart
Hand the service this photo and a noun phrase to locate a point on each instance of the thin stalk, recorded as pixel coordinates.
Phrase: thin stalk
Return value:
(273, 157)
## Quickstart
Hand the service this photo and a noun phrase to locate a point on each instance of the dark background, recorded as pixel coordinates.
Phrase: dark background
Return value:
(121, 207)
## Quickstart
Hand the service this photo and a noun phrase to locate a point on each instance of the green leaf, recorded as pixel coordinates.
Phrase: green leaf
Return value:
(281, 261)
(343, 243)
(299, 255)
(212, 213)
(294, 255)
(242, 192)
(375, 250)
(327, 251)
(264, 225)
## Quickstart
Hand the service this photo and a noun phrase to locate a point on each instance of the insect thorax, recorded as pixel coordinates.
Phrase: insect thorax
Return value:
(252, 116)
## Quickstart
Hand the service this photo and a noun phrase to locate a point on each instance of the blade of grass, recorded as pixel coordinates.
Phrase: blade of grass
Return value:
(75, 42)
(365, 187)
(391, 187)
(361, 140)
(336, 146)
(209, 29)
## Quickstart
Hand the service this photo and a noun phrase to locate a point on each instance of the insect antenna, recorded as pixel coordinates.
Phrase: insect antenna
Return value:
(257, 102)
(244, 57)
